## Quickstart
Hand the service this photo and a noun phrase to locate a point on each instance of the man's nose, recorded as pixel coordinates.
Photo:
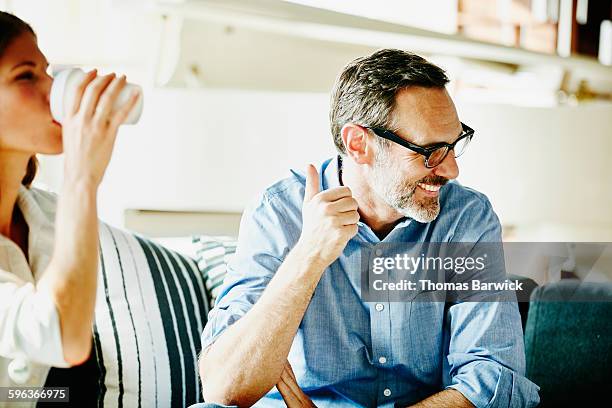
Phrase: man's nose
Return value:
(448, 168)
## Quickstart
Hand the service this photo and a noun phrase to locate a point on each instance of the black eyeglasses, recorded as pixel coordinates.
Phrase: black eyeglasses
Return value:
(436, 153)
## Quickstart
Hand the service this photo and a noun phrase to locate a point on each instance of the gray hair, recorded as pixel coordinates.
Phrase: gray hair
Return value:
(364, 92)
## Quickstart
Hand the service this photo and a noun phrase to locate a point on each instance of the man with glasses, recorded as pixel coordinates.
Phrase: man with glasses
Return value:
(290, 322)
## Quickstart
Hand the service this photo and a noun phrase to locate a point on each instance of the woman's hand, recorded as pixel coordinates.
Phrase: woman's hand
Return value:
(290, 390)
(91, 125)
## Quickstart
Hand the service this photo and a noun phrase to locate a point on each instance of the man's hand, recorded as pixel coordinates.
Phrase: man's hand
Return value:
(329, 219)
(290, 390)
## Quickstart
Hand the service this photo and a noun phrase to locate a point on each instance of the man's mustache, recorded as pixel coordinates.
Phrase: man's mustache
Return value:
(434, 180)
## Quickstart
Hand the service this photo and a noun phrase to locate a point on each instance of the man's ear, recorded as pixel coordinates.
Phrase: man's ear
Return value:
(357, 142)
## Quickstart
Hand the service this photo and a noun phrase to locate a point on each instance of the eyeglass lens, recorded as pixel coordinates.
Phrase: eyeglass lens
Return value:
(439, 155)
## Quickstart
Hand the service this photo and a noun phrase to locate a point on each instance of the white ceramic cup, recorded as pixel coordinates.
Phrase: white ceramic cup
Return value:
(64, 88)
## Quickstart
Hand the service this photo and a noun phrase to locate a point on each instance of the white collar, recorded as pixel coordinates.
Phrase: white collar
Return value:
(38, 209)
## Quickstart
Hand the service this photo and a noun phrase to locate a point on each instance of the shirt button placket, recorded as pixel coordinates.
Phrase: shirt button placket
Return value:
(381, 346)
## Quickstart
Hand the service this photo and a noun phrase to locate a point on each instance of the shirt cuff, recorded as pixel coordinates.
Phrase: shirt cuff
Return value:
(218, 321)
(33, 328)
(488, 385)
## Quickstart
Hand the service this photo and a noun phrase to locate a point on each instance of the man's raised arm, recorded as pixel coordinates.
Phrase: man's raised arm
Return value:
(247, 360)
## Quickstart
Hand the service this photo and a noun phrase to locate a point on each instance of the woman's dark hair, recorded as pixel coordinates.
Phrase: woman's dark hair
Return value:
(12, 27)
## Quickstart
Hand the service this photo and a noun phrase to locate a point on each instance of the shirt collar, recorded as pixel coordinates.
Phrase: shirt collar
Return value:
(39, 213)
(34, 214)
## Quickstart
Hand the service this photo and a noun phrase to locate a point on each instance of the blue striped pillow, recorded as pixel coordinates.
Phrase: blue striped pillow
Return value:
(151, 309)
(212, 256)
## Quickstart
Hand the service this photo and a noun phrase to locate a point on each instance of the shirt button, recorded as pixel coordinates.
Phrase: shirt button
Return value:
(19, 371)
(380, 307)
(382, 360)
(387, 392)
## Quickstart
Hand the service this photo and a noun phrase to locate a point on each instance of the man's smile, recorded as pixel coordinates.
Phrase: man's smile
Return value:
(429, 189)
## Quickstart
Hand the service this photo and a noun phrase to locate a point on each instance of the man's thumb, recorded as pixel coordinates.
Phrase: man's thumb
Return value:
(312, 182)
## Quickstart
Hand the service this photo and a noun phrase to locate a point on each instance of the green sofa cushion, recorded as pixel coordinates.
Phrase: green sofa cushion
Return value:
(568, 342)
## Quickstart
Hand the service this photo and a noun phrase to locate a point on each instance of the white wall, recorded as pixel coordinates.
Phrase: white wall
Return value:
(213, 150)
(92, 32)
(546, 170)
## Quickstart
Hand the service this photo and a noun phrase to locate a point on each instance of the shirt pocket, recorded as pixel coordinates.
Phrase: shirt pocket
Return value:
(425, 338)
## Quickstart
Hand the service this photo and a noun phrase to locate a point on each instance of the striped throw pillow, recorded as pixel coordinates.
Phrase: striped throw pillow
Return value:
(151, 309)
(212, 256)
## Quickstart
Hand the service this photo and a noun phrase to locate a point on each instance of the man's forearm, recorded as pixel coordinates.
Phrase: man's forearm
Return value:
(448, 398)
(248, 358)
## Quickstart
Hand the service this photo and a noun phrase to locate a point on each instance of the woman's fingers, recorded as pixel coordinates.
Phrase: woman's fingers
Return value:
(124, 110)
(80, 90)
(108, 99)
(93, 93)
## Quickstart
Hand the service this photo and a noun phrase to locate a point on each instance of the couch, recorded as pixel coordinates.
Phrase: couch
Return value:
(568, 343)
(152, 305)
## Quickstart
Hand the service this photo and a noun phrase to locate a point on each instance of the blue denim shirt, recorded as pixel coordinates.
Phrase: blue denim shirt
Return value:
(348, 352)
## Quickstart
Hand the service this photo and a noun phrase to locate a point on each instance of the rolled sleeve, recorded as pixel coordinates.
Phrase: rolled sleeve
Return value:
(262, 246)
(29, 325)
(486, 357)
(510, 389)
(237, 297)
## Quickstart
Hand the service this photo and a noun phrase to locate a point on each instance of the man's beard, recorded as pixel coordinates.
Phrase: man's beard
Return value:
(400, 194)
